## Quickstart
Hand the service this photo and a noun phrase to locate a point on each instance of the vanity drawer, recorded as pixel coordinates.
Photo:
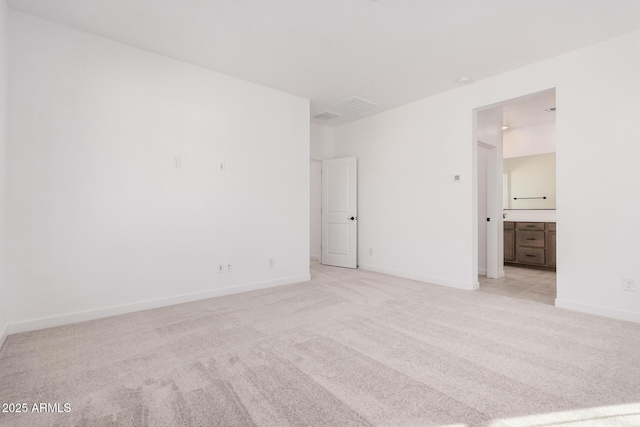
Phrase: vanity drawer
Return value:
(531, 244)
(530, 238)
(530, 255)
(530, 225)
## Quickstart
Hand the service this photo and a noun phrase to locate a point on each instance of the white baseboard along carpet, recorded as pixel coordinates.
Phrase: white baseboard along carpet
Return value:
(350, 347)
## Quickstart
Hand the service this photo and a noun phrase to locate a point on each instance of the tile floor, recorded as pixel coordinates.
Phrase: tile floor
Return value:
(523, 283)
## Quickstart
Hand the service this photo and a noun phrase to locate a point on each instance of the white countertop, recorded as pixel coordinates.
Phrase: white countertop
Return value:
(517, 215)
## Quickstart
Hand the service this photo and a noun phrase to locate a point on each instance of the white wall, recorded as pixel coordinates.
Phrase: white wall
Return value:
(321, 142)
(4, 297)
(99, 218)
(321, 149)
(422, 224)
(411, 212)
(531, 176)
(539, 138)
(535, 139)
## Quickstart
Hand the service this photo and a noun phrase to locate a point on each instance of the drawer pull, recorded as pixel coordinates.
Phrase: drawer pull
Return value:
(531, 238)
(530, 226)
(530, 256)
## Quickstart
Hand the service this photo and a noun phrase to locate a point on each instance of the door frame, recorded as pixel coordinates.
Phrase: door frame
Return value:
(316, 229)
(497, 233)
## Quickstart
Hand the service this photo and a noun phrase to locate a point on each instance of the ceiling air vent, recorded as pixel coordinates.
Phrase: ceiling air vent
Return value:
(325, 116)
(353, 105)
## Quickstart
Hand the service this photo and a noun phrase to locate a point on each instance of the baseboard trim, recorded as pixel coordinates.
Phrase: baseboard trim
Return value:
(83, 316)
(3, 335)
(483, 272)
(613, 313)
(421, 278)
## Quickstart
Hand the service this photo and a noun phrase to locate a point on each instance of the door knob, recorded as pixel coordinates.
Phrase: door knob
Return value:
(352, 218)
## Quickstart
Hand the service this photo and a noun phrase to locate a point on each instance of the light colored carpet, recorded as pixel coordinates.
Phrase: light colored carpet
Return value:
(348, 348)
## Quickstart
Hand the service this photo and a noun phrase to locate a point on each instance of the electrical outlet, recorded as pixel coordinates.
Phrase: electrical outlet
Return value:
(229, 267)
(370, 251)
(220, 268)
(628, 285)
(177, 162)
(272, 262)
(222, 167)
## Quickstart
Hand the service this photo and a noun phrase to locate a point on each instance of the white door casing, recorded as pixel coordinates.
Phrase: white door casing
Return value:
(340, 212)
(315, 207)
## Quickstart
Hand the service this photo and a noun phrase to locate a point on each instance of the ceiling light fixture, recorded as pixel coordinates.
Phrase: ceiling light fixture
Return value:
(505, 127)
(464, 80)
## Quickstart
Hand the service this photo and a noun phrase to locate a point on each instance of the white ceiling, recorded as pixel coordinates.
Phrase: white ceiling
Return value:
(529, 110)
(390, 52)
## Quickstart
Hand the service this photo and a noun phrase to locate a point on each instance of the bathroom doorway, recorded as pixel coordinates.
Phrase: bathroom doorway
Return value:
(517, 197)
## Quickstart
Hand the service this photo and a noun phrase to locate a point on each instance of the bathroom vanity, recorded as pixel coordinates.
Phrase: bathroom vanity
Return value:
(530, 244)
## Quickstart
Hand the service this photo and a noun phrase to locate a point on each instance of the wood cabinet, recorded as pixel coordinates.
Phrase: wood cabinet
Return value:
(551, 244)
(530, 244)
(509, 241)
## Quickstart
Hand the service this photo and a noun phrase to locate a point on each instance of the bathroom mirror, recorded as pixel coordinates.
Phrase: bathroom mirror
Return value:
(529, 182)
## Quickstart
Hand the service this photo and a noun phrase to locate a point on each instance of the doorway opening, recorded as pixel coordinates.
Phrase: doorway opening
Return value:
(514, 152)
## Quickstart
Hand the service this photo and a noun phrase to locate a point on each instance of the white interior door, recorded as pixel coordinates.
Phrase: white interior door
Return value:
(490, 257)
(340, 212)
